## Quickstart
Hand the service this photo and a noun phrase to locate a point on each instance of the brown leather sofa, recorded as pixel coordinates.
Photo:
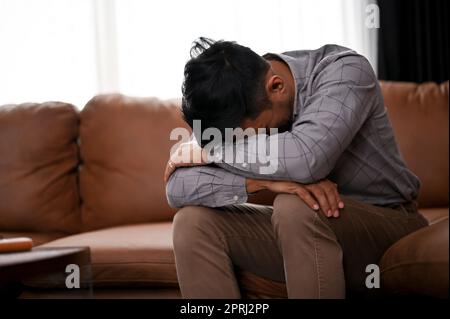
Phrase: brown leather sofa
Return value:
(95, 178)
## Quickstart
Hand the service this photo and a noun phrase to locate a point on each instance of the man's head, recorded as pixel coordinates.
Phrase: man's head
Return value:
(227, 85)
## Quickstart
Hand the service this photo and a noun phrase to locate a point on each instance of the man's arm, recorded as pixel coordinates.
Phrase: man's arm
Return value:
(343, 94)
(215, 187)
(206, 186)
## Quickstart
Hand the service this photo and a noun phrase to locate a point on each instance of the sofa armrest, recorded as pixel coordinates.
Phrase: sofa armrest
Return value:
(418, 263)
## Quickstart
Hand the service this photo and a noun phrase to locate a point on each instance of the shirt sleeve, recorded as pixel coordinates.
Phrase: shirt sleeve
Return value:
(206, 186)
(338, 102)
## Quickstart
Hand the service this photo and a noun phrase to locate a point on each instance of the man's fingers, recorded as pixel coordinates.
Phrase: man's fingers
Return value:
(338, 196)
(307, 198)
(188, 154)
(320, 196)
(166, 174)
(338, 200)
(330, 192)
(170, 167)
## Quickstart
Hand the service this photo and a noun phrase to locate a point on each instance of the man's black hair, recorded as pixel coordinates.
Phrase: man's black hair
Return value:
(223, 84)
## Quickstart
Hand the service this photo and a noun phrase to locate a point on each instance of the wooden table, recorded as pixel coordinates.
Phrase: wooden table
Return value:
(40, 261)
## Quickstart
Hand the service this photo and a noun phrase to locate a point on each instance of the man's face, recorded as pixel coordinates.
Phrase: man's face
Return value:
(280, 91)
(276, 116)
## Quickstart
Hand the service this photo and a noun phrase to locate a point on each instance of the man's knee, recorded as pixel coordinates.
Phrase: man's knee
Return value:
(290, 211)
(191, 224)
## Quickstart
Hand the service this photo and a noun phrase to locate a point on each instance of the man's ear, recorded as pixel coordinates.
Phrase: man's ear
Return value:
(275, 84)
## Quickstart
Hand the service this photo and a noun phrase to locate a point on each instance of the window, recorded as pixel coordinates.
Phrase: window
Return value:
(71, 50)
(47, 51)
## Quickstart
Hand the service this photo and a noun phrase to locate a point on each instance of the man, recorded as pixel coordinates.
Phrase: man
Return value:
(334, 133)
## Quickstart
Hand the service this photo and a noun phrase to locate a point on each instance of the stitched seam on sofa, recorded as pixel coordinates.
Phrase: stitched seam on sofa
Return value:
(435, 221)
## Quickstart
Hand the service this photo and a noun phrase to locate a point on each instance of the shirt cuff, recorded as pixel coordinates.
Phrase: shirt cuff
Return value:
(233, 190)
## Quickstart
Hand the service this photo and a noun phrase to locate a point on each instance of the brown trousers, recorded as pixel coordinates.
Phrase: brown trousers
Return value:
(317, 257)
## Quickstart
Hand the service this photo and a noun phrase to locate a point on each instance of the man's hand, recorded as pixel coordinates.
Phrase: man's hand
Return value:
(186, 154)
(323, 194)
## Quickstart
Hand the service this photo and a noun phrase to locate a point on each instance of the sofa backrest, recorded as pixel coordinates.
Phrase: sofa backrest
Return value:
(114, 174)
(38, 168)
(124, 146)
(419, 116)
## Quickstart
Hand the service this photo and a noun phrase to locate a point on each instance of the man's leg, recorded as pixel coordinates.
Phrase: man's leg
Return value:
(365, 232)
(209, 243)
(312, 255)
(318, 250)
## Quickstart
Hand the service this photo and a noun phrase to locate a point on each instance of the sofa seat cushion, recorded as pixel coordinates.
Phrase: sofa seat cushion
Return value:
(434, 215)
(418, 263)
(255, 287)
(103, 293)
(131, 255)
(38, 238)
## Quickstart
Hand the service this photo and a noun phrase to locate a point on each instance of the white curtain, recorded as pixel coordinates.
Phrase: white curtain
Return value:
(72, 49)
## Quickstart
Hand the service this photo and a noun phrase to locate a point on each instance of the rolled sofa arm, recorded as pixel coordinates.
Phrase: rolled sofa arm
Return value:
(418, 263)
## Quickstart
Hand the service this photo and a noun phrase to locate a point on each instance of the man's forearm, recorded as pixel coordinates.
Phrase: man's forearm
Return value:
(255, 185)
(215, 187)
(205, 186)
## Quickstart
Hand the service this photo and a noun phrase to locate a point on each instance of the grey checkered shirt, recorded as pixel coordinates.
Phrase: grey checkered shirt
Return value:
(341, 131)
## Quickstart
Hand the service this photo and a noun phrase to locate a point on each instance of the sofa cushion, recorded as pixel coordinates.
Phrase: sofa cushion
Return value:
(132, 255)
(419, 115)
(256, 287)
(434, 215)
(124, 149)
(38, 167)
(103, 293)
(418, 263)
